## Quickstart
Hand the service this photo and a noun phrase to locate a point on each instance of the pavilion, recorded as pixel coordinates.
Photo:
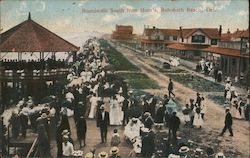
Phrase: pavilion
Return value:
(30, 37)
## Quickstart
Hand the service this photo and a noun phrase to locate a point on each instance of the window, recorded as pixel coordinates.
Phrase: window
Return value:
(198, 38)
(214, 42)
(174, 38)
(166, 37)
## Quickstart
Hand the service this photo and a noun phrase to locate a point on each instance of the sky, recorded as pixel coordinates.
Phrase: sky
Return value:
(103, 15)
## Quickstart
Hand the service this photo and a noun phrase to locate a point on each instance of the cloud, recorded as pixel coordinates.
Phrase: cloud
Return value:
(215, 5)
(242, 12)
(154, 15)
(23, 8)
(125, 6)
(81, 3)
(40, 6)
(110, 18)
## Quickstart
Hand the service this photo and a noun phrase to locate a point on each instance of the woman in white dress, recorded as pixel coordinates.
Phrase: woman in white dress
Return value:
(120, 100)
(198, 121)
(114, 114)
(93, 105)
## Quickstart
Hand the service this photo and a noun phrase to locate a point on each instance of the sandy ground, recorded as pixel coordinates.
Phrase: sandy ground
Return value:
(235, 147)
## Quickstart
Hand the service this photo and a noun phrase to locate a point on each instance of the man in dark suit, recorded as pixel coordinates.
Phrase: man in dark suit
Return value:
(102, 123)
(170, 88)
(174, 124)
(228, 123)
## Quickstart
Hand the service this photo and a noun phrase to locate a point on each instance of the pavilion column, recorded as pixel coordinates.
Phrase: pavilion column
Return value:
(74, 56)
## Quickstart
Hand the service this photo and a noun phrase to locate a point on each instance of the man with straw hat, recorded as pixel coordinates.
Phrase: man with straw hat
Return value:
(103, 154)
(89, 155)
(102, 123)
(114, 151)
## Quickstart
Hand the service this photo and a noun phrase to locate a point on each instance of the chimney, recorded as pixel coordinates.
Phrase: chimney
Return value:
(220, 30)
(29, 17)
(181, 34)
(237, 29)
(228, 31)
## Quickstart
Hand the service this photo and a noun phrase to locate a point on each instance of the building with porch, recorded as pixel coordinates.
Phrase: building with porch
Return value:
(157, 39)
(20, 78)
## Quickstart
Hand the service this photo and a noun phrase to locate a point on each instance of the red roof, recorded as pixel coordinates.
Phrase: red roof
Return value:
(212, 33)
(192, 47)
(237, 34)
(29, 36)
(226, 52)
(206, 48)
(168, 32)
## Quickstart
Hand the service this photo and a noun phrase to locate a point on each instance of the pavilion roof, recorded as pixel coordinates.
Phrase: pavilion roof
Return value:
(29, 36)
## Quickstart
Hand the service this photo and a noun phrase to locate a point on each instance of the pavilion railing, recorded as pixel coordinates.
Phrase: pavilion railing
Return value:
(35, 74)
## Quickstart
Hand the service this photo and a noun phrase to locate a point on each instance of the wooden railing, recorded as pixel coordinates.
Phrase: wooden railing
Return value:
(32, 149)
(35, 74)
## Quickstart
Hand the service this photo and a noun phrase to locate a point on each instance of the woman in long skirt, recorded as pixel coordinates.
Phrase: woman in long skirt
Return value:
(198, 121)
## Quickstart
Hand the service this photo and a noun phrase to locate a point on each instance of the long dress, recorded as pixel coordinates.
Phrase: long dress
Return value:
(198, 121)
(93, 105)
(120, 100)
(114, 116)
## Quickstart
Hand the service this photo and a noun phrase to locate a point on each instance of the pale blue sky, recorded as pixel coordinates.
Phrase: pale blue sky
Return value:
(67, 15)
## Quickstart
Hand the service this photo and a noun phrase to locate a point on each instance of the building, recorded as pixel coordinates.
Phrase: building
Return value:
(123, 32)
(230, 51)
(31, 77)
(157, 39)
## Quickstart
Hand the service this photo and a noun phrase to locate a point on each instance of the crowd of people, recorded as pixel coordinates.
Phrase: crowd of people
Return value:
(240, 108)
(94, 92)
(42, 64)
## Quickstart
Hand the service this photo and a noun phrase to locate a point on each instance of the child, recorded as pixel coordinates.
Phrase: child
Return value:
(115, 140)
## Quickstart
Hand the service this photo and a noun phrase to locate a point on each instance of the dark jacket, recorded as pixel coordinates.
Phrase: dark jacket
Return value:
(170, 86)
(228, 119)
(102, 123)
(174, 122)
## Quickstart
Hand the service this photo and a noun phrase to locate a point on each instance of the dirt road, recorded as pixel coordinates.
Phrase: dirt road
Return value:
(235, 147)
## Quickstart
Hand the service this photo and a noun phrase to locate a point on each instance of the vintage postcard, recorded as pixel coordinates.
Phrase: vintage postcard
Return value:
(124, 78)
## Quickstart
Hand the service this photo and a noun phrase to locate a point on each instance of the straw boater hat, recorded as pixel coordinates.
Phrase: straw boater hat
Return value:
(184, 149)
(103, 154)
(43, 116)
(220, 155)
(143, 129)
(89, 155)
(147, 114)
(114, 150)
(173, 156)
(65, 132)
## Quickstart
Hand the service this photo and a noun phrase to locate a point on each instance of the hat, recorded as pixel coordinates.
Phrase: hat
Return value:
(44, 115)
(130, 91)
(184, 149)
(228, 79)
(173, 156)
(114, 150)
(39, 119)
(89, 155)
(198, 151)
(147, 114)
(65, 132)
(102, 107)
(143, 129)
(103, 154)
(65, 137)
(220, 155)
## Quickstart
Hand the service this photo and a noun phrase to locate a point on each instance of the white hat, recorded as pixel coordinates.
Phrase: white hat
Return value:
(173, 156)
(103, 154)
(143, 129)
(184, 149)
(220, 155)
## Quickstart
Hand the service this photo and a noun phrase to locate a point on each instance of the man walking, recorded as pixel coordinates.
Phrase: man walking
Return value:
(228, 123)
(174, 124)
(170, 88)
(102, 123)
